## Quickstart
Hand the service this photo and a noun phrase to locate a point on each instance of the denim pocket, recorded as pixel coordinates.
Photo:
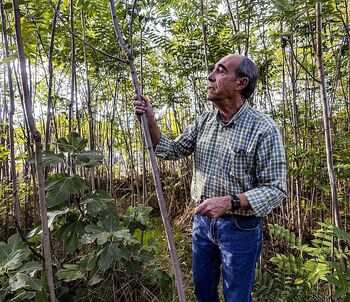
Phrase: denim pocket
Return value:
(247, 223)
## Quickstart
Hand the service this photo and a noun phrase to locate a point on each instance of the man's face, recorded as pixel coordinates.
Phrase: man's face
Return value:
(223, 82)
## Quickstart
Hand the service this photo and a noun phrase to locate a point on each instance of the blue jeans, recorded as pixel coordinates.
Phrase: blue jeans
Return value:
(232, 242)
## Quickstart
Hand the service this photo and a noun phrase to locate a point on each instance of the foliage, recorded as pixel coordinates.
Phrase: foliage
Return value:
(18, 275)
(306, 267)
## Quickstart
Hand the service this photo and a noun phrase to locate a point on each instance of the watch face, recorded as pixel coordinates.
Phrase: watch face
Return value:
(235, 201)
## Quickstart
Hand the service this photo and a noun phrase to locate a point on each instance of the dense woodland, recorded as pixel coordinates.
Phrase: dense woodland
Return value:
(79, 214)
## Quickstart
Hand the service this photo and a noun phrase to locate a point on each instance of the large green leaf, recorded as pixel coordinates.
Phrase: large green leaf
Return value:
(89, 159)
(99, 202)
(73, 143)
(21, 280)
(71, 232)
(106, 229)
(13, 253)
(49, 158)
(138, 218)
(341, 234)
(59, 187)
(70, 272)
(51, 216)
(111, 252)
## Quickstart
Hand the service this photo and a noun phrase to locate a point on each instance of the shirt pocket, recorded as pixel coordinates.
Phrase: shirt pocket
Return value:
(236, 169)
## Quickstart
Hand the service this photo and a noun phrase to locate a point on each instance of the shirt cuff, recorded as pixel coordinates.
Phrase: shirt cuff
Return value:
(163, 147)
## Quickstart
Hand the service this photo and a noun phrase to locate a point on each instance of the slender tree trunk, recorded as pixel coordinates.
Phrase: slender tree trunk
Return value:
(204, 32)
(16, 204)
(235, 29)
(38, 154)
(347, 98)
(73, 69)
(88, 97)
(326, 119)
(295, 111)
(162, 205)
(49, 87)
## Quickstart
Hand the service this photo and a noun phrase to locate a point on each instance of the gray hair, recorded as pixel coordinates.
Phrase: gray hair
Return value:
(247, 68)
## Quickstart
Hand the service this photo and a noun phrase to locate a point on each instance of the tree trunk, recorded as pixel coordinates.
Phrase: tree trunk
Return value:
(49, 88)
(38, 154)
(326, 119)
(16, 204)
(88, 103)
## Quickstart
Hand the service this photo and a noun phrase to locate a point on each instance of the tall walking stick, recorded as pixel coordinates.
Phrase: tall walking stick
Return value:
(156, 178)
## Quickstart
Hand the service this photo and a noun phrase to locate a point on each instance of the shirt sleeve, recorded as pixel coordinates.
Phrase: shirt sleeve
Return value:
(183, 145)
(271, 175)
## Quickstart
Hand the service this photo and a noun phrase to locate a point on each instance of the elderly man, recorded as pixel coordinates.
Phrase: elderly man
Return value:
(238, 177)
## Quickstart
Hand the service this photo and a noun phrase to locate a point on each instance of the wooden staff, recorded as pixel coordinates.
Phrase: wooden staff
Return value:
(156, 178)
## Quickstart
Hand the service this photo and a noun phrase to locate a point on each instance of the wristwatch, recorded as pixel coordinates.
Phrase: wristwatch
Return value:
(235, 202)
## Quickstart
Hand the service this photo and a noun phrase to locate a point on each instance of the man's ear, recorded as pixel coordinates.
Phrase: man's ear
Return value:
(243, 82)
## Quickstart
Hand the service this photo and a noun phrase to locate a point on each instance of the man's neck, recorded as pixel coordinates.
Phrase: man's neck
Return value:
(227, 111)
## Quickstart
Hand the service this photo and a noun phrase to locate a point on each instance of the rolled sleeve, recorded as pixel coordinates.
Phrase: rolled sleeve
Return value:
(271, 175)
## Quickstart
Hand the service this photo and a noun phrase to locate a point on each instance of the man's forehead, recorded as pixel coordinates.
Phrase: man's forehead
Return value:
(232, 59)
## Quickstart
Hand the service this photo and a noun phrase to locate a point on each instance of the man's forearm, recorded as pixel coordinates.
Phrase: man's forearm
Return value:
(154, 132)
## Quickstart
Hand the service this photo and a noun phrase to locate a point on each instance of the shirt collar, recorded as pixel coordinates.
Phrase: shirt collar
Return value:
(242, 110)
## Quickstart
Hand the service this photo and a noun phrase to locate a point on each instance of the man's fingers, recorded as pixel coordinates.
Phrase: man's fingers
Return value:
(202, 209)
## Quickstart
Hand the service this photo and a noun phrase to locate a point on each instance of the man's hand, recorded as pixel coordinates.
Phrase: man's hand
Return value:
(143, 107)
(214, 207)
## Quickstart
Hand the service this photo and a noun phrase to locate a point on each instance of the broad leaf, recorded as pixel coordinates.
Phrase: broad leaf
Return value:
(21, 280)
(341, 234)
(70, 272)
(89, 159)
(59, 187)
(99, 202)
(137, 218)
(13, 253)
(49, 158)
(71, 232)
(51, 216)
(106, 230)
(73, 143)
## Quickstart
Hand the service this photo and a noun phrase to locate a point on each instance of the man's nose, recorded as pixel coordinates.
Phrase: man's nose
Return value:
(211, 77)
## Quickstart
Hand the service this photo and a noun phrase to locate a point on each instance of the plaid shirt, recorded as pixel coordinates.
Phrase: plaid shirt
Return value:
(245, 155)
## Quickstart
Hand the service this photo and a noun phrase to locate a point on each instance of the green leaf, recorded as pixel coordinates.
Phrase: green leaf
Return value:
(73, 143)
(298, 281)
(21, 280)
(13, 253)
(283, 5)
(41, 296)
(30, 268)
(89, 159)
(59, 187)
(49, 158)
(9, 58)
(341, 234)
(105, 260)
(70, 272)
(71, 232)
(105, 230)
(137, 218)
(99, 202)
(88, 263)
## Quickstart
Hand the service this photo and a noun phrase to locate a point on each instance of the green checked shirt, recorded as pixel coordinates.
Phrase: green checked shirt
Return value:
(245, 155)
